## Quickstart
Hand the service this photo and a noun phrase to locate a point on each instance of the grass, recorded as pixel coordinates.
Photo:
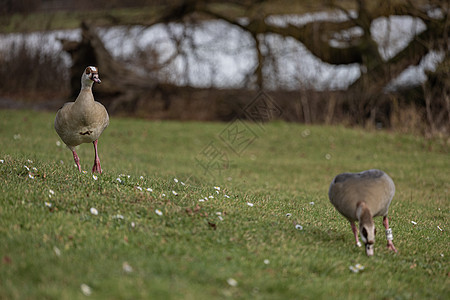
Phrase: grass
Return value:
(71, 19)
(43, 21)
(51, 244)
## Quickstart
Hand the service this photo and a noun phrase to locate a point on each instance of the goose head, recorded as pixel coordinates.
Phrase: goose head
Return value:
(367, 232)
(90, 75)
(367, 229)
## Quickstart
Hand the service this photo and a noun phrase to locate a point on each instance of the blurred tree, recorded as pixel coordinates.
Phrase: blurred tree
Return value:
(329, 41)
(377, 72)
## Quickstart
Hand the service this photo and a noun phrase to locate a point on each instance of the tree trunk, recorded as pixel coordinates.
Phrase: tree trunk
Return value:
(120, 86)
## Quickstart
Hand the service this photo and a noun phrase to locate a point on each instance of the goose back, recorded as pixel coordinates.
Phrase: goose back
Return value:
(374, 187)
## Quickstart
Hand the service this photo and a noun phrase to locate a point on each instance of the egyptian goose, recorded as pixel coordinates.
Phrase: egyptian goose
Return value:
(361, 197)
(84, 120)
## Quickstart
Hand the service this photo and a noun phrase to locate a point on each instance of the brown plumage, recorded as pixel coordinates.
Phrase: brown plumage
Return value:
(361, 197)
(84, 120)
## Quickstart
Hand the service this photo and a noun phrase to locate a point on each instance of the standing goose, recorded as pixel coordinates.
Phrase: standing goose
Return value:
(84, 120)
(361, 197)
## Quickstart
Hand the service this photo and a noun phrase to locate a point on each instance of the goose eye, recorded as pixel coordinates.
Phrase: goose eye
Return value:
(364, 232)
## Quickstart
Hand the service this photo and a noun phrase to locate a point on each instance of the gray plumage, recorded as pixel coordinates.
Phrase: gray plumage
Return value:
(361, 197)
(374, 187)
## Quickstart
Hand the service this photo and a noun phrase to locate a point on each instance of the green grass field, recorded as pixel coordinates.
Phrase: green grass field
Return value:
(71, 19)
(171, 243)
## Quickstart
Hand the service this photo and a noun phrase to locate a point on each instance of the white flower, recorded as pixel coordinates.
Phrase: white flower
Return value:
(95, 177)
(118, 217)
(305, 133)
(142, 177)
(28, 169)
(288, 215)
(34, 169)
(440, 228)
(250, 204)
(175, 193)
(232, 282)
(94, 211)
(119, 180)
(182, 183)
(176, 180)
(211, 197)
(218, 213)
(414, 223)
(57, 251)
(163, 195)
(299, 227)
(311, 203)
(58, 143)
(133, 224)
(29, 161)
(139, 188)
(266, 261)
(84, 172)
(353, 269)
(149, 190)
(126, 267)
(86, 290)
(220, 218)
(52, 191)
(48, 204)
(217, 188)
(226, 196)
(2, 161)
(201, 200)
(356, 268)
(31, 176)
(158, 212)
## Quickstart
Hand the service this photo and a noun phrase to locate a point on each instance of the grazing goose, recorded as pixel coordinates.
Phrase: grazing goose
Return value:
(361, 197)
(84, 120)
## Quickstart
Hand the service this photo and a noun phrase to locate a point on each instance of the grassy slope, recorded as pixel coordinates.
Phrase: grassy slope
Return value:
(179, 255)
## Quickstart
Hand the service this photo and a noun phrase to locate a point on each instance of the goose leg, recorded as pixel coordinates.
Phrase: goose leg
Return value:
(390, 244)
(96, 168)
(76, 159)
(355, 233)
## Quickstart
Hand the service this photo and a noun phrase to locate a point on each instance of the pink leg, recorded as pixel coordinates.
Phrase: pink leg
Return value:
(390, 245)
(76, 159)
(355, 233)
(96, 168)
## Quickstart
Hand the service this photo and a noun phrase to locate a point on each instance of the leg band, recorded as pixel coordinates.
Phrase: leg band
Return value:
(389, 235)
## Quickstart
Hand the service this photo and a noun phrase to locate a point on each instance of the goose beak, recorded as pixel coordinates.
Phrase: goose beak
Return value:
(96, 79)
(369, 249)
